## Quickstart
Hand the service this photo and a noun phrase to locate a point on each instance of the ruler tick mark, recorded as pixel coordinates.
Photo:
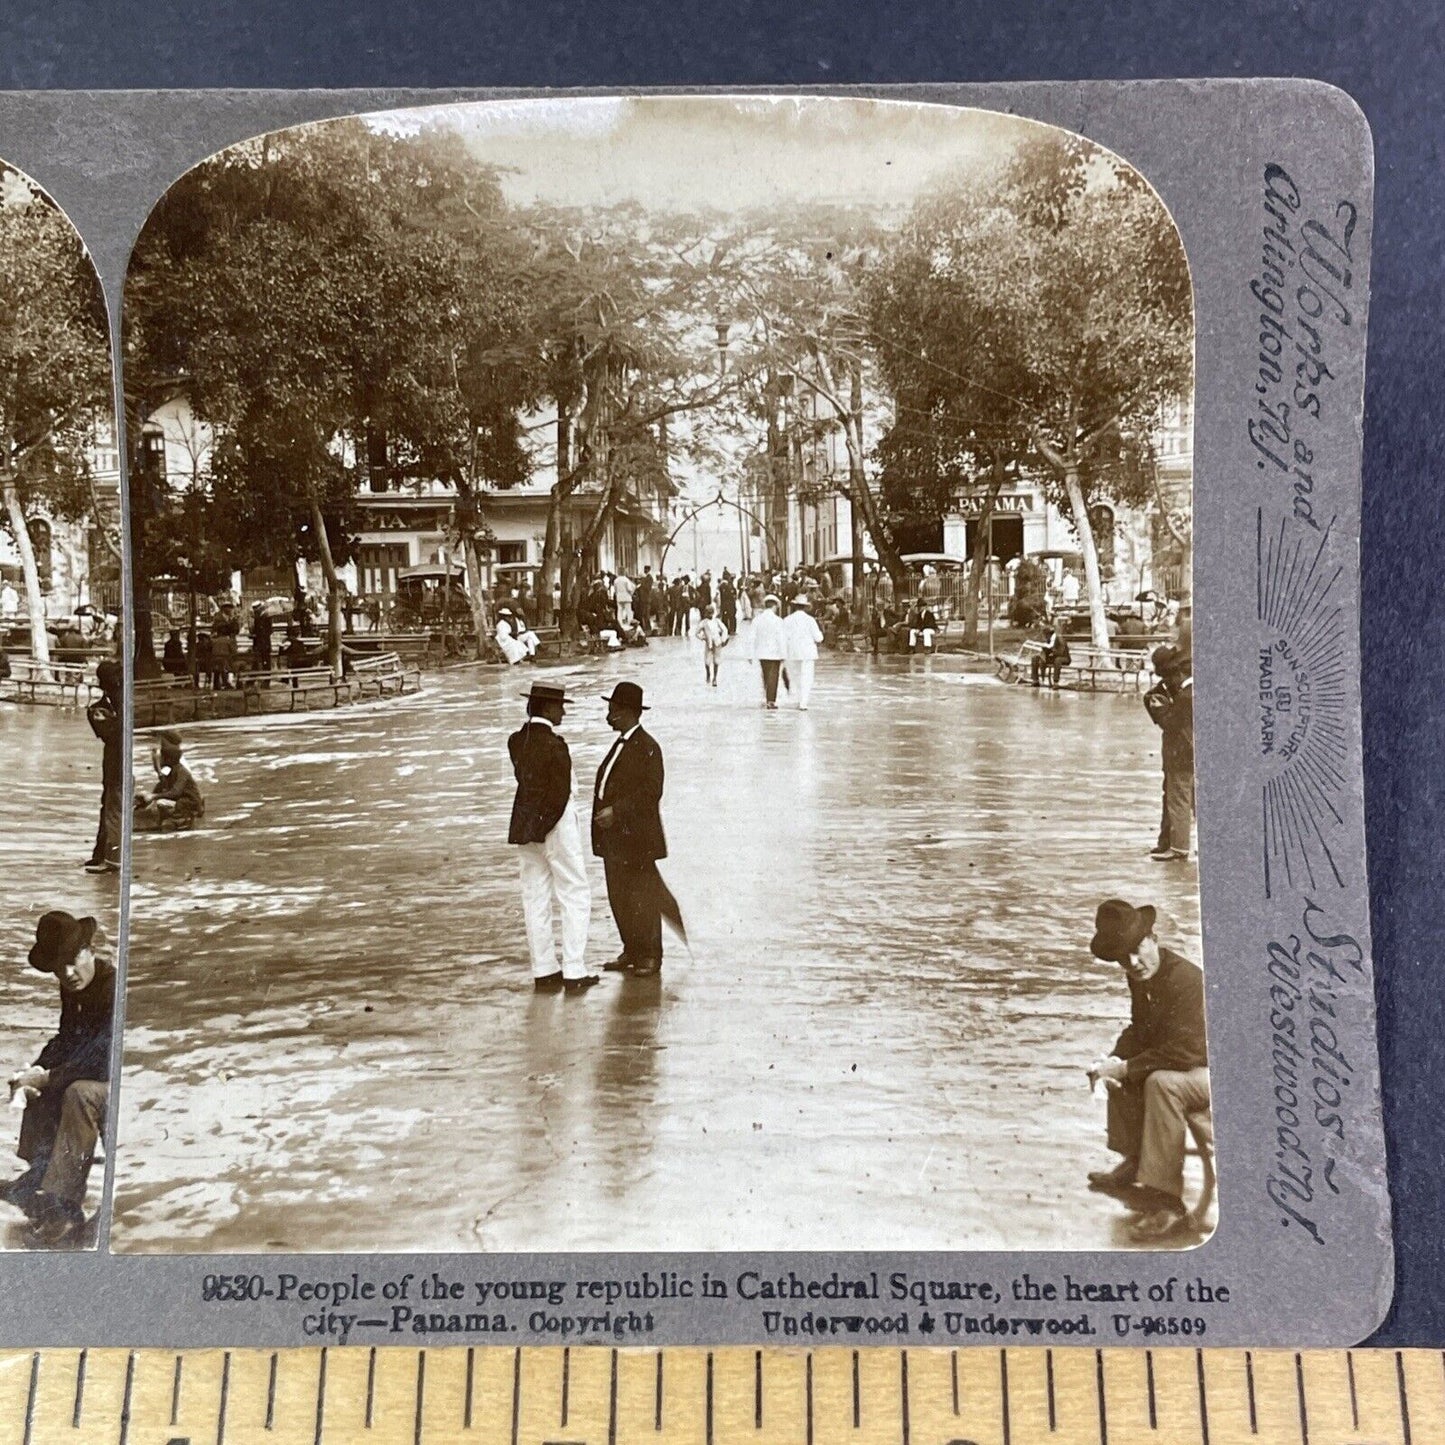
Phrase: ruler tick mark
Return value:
(1003, 1392)
(807, 1398)
(857, 1402)
(1304, 1414)
(420, 1395)
(79, 1391)
(467, 1403)
(953, 1370)
(321, 1396)
(657, 1395)
(225, 1398)
(1149, 1383)
(270, 1392)
(30, 1402)
(1354, 1398)
(126, 1398)
(612, 1404)
(370, 1387)
(176, 1390)
(903, 1391)
(709, 1398)
(566, 1379)
(1049, 1379)
(1203, 1398)
(1404, 1397)
(757, 1389)
(516, 1393)
(1249, 1383)
(1103, 1406)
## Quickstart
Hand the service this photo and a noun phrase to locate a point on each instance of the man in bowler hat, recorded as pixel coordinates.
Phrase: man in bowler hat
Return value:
(548, 838)
(1156, 1075)
(67, 1087)
(106, 718)
(627, 834)
(1170, 705)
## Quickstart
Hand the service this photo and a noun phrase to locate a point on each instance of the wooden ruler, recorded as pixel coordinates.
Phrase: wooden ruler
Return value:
(600, 1396)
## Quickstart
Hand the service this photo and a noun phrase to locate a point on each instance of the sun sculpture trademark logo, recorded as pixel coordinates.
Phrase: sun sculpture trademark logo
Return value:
(1302, 663)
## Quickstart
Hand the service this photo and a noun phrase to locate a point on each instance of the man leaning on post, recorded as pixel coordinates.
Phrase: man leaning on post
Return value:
(1157, 1074)
(67, 1087)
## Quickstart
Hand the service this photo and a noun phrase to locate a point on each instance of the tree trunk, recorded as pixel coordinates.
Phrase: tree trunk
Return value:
(855, 402)
(863, 502)
(34, 600)
(333, 590)
(552, 541)
(1098, 623)
(978, 557)
(476, 594)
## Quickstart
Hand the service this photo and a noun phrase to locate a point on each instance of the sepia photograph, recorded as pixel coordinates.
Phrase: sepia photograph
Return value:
(662, 689)
(62, 714)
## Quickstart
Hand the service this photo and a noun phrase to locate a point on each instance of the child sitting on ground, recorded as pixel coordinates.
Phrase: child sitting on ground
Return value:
(176, 801)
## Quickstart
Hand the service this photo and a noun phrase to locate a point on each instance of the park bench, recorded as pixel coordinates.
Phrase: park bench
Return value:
(34, 681)
(384, 675)
(1118, 667)
(296, 683)
(156, 700)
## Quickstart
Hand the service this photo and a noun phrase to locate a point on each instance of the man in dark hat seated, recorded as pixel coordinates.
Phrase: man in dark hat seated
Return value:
(545, 830)
(176, 801)
(1157, 1074)
(67, 1087)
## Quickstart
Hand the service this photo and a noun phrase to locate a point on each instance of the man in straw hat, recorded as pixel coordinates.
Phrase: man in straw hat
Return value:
(1157, 1074)
(548, 838)
(801, 636)
(66, 1089)
(627, 835)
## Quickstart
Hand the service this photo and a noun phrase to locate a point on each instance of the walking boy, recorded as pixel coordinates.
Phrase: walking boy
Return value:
(714, 637)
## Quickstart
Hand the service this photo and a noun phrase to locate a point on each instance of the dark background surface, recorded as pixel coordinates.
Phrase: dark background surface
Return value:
(1386, 53)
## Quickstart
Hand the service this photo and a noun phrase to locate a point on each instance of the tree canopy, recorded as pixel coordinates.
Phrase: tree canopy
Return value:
(55, 377)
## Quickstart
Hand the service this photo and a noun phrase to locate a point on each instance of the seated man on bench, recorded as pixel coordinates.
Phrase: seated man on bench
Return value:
(67, 1088)
(1157, 1074)
(922, 627)
(1054, 657)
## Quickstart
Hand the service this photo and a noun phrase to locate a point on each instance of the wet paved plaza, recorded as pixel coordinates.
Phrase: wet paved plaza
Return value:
(877, 1041)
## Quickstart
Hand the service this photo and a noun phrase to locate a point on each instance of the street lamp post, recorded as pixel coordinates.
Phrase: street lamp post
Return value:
(989, 565)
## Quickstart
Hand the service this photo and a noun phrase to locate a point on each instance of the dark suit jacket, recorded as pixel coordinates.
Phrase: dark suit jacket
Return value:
(634, 793)
(1167, 1020)
(543, 766)
(81, 1050)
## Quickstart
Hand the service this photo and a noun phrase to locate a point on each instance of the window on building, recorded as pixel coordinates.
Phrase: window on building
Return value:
(511, 553)
(378, 564)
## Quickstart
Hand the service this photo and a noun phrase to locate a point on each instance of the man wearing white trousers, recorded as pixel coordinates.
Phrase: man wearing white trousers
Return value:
(548, 837)
(801, 636)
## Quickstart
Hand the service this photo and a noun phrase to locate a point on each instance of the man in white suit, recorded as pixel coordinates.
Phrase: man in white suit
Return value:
(770, 647)
(801, 637)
